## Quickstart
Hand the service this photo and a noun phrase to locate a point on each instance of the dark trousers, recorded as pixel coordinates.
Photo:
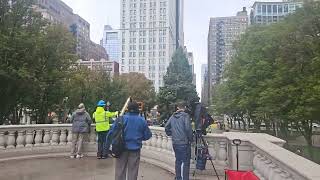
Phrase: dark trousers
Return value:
(103, 144)
(183, 156)
(127, 166)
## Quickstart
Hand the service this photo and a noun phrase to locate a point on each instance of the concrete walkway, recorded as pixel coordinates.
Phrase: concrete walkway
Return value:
(87, 168)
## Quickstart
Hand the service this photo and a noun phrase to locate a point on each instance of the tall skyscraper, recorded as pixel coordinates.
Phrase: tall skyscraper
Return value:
(111, 42)
(270, 12)
(204, 84)
(151, 30)
(223, 32)
(56, 11)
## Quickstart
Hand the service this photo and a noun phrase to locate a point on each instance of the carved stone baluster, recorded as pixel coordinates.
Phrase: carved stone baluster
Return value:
(222, 153)
(272, 173)
(55, 137)
(267, 168)
(46, 138)
(63, 137)
(11, 141)
(154, 140)
(20, 139)
(255, 163)
(38, 138)
(277, 174)
(261, 167)
(164, 142)
(286, 176)
(29, 138)
(169, 145)
(69, 138)
(148, 144)
(212, 150)
(93, 137)
(159, 142)
(2, 140)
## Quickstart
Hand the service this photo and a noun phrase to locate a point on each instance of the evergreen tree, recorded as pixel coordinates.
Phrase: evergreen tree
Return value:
(177, 85)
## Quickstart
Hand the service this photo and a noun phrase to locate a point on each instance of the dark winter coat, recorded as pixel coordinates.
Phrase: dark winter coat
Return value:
(81, 121)
(179, 127)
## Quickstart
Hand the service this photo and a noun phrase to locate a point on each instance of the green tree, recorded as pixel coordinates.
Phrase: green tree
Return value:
(20, 31)
(139, 88)
(177, 84)
(274, 76)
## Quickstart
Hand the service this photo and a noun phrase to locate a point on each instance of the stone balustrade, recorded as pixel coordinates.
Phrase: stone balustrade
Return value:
(260, 153)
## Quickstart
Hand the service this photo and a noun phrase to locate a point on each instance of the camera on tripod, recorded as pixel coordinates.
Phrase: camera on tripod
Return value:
(202, 119)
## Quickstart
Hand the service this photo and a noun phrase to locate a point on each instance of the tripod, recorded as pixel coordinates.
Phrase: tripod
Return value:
(202, 149)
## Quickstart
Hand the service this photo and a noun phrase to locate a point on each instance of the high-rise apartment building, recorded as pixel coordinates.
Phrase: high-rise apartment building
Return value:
(204, 84)
(151, 30)
(58, 12)
(111, 42)
(191, 64)
(270, 12)
(223, 32)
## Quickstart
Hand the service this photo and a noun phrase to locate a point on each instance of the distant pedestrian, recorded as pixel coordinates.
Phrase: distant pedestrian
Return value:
(81, 123)
(135, 131)
(180, 128)
(102, 120)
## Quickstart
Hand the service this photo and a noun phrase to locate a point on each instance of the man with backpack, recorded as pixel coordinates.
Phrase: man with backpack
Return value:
(180, 128)
(133, 129)
(102, 119)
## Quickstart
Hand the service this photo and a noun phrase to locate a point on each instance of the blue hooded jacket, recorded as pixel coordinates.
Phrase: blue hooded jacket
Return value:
(136, 130)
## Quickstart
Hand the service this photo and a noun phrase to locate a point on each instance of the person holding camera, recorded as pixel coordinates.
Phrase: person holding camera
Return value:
(179, 127)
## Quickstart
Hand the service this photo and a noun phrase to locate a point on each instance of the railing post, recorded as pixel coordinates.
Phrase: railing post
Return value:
(69, 138)
(11, 140)
(55, 137)
(29, 138)
(222, 153)
(38, 137)
(164, 143)
(46, 138)
(20, 139)
(154, 140)
(2, 141)
(159, 141)
(63, 137)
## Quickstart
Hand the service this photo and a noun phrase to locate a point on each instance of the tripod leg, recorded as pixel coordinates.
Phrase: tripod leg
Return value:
(214, 168)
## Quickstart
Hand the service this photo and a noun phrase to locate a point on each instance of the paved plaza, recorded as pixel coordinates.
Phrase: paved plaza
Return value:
(87, 168)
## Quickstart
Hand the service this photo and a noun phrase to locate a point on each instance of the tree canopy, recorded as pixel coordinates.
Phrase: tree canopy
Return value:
(177, 84)
(274, 76)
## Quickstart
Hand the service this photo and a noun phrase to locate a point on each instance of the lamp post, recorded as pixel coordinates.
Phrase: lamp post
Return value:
(237, 142)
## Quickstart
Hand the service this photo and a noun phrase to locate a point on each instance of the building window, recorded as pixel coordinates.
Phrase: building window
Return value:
(269, 9)
(286, 9)
(280, 9)
(275, 8)
(264, 9)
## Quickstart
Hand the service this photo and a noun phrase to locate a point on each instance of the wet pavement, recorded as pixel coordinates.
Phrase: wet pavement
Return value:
(87, 168)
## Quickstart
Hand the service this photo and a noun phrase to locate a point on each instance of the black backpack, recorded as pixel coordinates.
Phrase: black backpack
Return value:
(118, 143)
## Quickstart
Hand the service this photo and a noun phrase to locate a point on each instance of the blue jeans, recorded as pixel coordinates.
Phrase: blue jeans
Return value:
(103, 144)
(183, 156)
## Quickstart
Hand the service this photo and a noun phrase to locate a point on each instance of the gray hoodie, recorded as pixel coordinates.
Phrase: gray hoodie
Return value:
(81, 121)
(179, 127)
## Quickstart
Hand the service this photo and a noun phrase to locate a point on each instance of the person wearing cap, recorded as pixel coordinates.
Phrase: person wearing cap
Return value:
(136, 130)
(81, 123)
(102, 120)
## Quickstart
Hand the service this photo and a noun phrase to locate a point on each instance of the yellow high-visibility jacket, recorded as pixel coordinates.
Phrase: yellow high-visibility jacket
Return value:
(102, 119)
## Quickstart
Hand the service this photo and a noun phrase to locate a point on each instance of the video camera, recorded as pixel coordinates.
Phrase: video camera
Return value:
(201, 117)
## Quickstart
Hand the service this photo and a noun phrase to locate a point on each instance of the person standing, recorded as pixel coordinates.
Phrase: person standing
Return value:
(179, 127)
(136, 130)
(81, 124)
(102, 120)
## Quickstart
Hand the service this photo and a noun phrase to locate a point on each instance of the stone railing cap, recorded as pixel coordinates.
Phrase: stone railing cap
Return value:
(296, 163)
(253, 136)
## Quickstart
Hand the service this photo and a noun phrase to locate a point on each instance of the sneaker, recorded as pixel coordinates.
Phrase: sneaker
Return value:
(79, 156)
(104, 157)
(99, 157)
(72, 157)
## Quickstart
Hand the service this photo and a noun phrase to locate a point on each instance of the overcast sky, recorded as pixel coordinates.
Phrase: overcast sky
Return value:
(196, 21)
